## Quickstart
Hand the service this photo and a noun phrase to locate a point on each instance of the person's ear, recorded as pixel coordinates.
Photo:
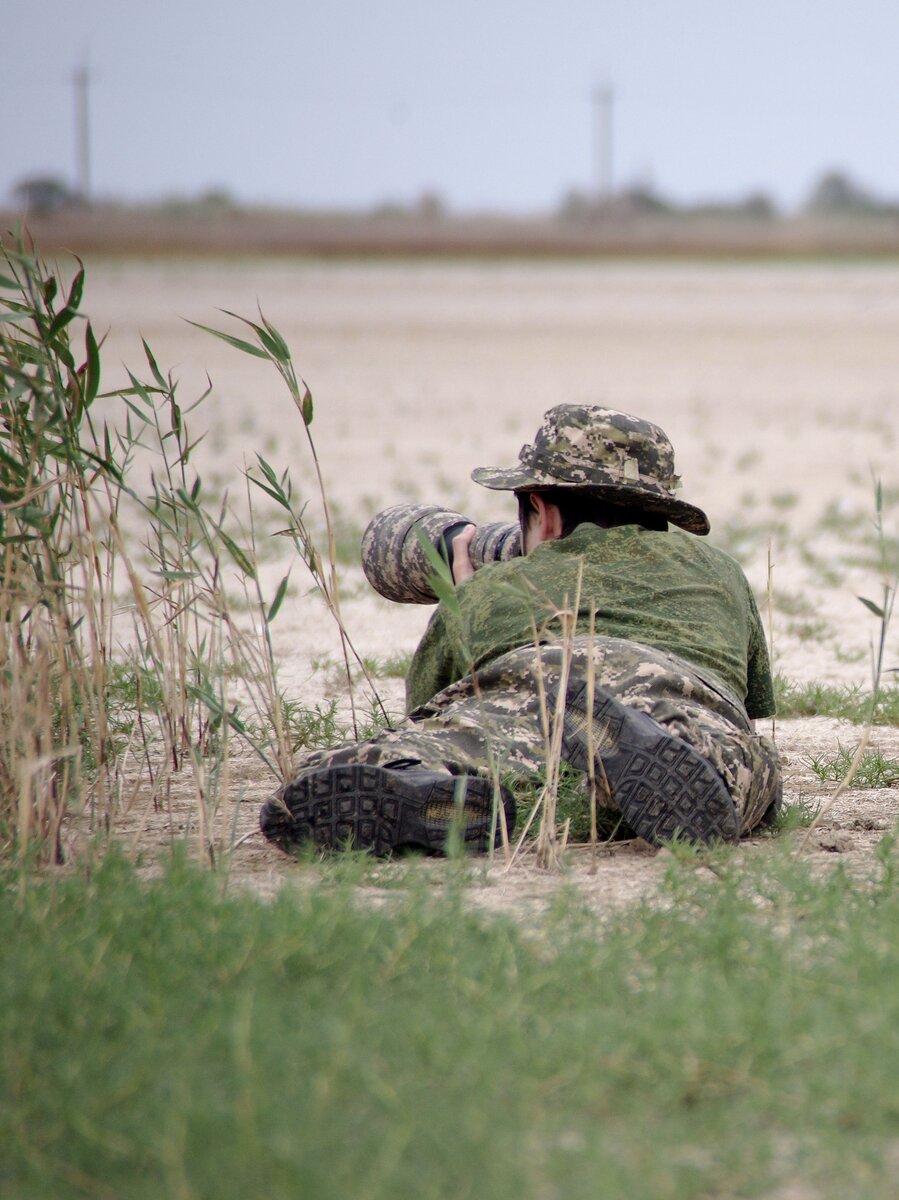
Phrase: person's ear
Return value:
(547, 517)
(552, 523)
(527, 512)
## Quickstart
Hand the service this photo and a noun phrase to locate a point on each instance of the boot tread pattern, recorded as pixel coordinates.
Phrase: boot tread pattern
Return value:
(663, 787)
(373, 808)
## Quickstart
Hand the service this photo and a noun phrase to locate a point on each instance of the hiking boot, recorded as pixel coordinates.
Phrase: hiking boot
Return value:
(664, 788)
(383, 809)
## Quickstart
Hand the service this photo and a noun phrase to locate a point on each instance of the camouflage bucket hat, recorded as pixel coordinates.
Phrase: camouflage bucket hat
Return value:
(614, 456)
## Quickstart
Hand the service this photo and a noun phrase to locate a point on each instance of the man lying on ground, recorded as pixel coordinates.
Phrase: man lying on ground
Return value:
(663, 670)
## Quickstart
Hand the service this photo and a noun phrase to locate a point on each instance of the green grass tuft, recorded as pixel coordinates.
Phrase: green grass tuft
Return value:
(792, 604)
(572, 805)
(846, 701)
(798, 814)
(395, 666)
(874, 769)
(814, 630)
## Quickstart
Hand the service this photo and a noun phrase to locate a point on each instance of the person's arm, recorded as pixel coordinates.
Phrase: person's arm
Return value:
(436, 662)
(485, 621)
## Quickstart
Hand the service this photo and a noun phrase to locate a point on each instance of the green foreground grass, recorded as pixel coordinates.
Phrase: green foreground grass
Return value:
(844, 701)
(161, 1040)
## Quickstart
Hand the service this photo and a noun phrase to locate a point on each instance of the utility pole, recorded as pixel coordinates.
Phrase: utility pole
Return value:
(81, 80)
(603, 104)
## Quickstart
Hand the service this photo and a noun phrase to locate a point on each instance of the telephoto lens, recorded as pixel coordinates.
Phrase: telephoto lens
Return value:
(395, 562)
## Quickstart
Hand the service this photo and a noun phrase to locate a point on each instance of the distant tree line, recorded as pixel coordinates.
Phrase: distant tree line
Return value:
(41, 195)
(835, 194)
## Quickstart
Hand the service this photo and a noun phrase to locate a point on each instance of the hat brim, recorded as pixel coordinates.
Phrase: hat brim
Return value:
(679, 512)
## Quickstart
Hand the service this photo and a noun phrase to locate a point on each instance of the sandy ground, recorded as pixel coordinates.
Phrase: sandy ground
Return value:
(778, 385)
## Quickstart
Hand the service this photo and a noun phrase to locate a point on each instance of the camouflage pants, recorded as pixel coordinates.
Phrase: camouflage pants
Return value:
(495, 720)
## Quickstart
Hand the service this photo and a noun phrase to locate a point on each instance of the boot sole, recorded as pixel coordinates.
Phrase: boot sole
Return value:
(371, 808)
(664, 788)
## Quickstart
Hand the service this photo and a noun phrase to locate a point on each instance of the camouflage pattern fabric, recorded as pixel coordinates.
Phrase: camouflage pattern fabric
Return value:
(612, 454)
(668, 590)
(395, 562)
(493, 722)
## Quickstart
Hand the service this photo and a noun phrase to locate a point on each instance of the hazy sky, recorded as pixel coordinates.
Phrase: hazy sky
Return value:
(486, 102)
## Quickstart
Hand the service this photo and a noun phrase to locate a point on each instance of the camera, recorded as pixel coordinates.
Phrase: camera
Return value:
(396, 564)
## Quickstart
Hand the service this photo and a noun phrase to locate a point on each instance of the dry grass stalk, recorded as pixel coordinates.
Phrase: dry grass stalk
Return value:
(67, 495)
(548, 845)
(271, 346)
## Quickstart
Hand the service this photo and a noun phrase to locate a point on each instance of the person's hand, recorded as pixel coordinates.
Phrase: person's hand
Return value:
(462, 568)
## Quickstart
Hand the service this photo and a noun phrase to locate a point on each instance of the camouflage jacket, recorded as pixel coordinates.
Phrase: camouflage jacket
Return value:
(669, 590)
